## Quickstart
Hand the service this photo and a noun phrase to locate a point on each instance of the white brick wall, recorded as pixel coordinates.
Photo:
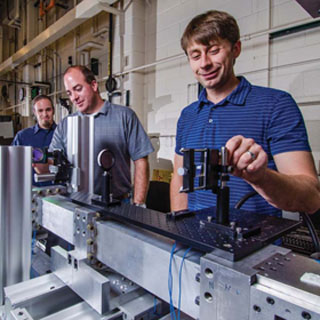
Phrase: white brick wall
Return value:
(166, 85)
(158, 94)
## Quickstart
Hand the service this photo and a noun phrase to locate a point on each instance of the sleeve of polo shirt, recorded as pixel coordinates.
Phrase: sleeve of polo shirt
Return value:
(16, 141)
(287, 131)
(59, 139)
(139, 145)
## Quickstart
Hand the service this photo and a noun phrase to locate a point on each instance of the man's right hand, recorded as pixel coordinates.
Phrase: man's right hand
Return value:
(41, 168)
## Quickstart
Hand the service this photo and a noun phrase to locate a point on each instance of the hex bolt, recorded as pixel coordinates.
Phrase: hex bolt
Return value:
(90, 227)
(270, 300)
(256, 308)
(198, 276)
(209, 218)
(197, 300)
(306, 315)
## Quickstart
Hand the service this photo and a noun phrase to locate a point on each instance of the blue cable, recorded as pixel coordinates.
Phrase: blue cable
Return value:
(170, 283)
(33, 243)
(180, 277)
(154, 305)
(155, 300)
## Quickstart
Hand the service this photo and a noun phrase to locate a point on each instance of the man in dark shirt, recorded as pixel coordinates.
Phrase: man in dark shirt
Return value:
(117, 128)
(39, 135)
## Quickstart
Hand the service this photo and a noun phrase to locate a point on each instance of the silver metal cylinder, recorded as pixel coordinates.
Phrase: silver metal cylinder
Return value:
(80, 151)
(15, 215)
(44, 177)
(224, 162)
(224, 156)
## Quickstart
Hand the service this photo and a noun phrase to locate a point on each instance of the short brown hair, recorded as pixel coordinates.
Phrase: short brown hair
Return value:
(210, 26)
(41, 97)
(87, 73)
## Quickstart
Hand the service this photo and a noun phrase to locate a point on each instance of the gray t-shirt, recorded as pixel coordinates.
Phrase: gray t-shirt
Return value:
(118, 129)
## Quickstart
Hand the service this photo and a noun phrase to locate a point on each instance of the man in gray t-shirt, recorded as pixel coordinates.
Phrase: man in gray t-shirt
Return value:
(117, 128)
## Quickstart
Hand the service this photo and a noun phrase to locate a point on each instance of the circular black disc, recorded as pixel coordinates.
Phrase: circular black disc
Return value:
(111, 84)
(106, 159)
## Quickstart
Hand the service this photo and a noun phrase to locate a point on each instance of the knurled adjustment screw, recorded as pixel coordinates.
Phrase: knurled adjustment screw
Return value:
(306, 315)
(90, 227)
(90, 242)
(90, 256)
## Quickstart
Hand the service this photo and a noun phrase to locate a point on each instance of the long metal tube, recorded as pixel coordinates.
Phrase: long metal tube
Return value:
(80, 152)
(15, 215)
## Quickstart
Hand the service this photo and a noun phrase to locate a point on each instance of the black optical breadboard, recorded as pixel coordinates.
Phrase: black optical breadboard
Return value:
(188, 230)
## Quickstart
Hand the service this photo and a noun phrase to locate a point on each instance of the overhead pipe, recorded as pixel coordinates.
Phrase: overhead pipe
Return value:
(50, 5)
(16, 21)
(72, 19)
(43, 10)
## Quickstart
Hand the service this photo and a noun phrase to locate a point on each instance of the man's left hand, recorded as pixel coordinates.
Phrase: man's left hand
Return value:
(248, 159)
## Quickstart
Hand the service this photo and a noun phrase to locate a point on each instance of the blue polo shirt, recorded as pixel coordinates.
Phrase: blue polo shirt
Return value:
(35, 137)
(269, 116)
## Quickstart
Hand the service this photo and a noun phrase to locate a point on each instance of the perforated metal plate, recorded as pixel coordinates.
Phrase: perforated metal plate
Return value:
(190, 232)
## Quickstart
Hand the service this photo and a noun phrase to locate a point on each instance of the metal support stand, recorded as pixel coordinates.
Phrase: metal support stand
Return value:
(213, 176)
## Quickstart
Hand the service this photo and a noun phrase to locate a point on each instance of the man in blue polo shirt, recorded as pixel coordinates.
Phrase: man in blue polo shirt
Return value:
(39, 135)
(262, 128)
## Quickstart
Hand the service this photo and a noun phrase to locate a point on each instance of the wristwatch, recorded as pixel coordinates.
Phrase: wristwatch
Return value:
(141, 205)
